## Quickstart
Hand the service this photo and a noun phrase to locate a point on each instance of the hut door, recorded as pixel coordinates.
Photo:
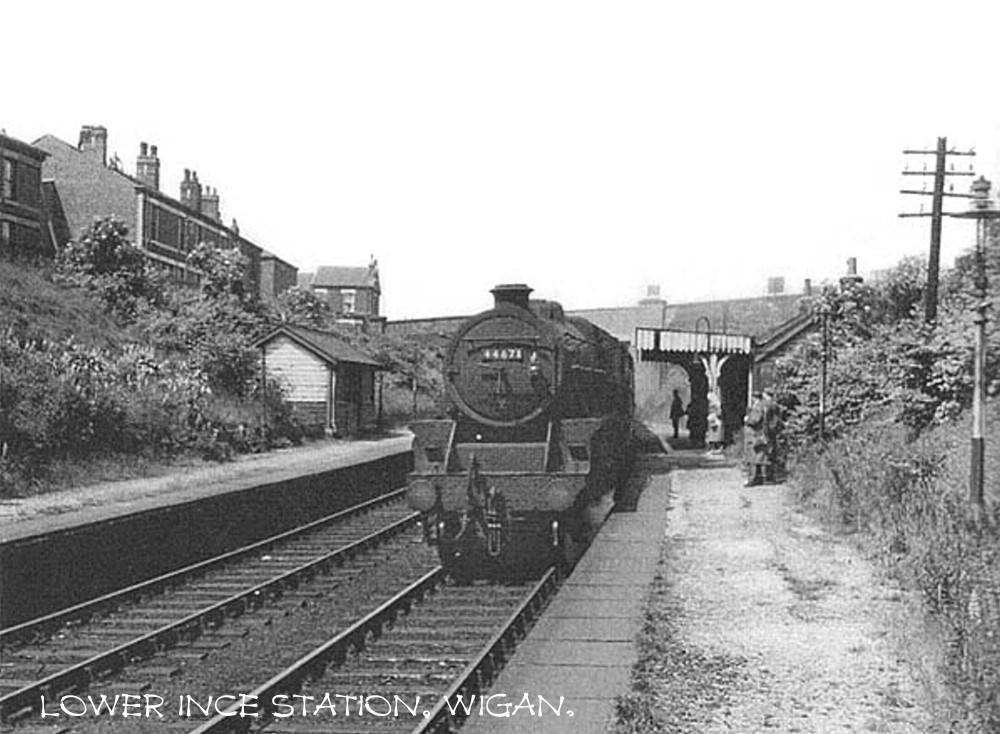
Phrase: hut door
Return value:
(331, 400)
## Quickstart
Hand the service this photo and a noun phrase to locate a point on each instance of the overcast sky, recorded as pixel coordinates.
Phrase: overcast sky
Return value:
(588, 149)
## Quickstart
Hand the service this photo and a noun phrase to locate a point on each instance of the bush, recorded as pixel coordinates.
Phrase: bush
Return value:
(895, 462)
(104, 261)
(60, 401)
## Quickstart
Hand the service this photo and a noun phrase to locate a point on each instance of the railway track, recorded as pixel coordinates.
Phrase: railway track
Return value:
(402, 667)
(70, 650)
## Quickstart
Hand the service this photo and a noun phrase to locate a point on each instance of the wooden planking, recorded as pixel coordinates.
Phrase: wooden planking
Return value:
(670, 340)
(304, 375)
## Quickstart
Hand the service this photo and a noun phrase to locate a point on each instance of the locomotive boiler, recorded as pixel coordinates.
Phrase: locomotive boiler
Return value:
(537, 442)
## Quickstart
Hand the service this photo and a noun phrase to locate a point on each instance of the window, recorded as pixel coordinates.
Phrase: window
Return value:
(7, 179)
(348, 300)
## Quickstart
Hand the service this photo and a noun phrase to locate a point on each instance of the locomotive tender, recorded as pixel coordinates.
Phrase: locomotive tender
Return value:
(537, 443)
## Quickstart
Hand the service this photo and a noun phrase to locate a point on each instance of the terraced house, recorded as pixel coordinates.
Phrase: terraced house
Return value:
(22, 221)
(353, 293)
(82, 185)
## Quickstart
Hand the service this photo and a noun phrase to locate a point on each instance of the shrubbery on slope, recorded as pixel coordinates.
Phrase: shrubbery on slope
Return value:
(100, 358)
(895, 462)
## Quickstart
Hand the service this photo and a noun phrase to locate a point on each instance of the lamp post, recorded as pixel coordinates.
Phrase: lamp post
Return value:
(982, 213)
(824, 313)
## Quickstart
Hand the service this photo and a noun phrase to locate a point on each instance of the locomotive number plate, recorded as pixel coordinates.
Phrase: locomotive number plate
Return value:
(503, 354)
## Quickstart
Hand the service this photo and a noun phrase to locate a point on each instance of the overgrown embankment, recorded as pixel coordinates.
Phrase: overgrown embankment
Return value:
(894, 463)
(909, 500)
(107, 370)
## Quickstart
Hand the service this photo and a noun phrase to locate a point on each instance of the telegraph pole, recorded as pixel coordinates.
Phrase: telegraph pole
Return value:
(937, 213)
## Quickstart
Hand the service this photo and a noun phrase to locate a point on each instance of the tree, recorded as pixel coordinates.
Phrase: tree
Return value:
(104, 261)
(222, 269)
(302, 307)
(884, 358)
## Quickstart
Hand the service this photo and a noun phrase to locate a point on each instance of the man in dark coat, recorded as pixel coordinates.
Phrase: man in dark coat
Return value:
(676, 411)
(763, 424)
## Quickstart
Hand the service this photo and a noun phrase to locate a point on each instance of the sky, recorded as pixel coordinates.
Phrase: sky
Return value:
(588, 149)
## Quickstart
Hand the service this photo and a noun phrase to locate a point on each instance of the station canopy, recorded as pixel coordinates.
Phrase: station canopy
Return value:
(651, 343)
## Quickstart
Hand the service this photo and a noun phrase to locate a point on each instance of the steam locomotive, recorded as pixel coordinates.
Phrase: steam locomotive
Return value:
(537, 443)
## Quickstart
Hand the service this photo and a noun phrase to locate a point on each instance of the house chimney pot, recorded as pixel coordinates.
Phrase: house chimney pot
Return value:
(147, 166)
(852, 278)
(210, 204)
(94, 141)
(191, 190)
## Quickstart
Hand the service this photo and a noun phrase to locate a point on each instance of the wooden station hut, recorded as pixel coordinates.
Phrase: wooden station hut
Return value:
(330, 384)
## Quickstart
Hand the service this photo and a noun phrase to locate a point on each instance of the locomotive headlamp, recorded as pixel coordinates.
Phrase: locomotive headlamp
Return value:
(421, 495)
(558, 498)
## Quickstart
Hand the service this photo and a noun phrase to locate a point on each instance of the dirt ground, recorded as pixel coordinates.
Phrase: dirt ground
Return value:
(770, 623)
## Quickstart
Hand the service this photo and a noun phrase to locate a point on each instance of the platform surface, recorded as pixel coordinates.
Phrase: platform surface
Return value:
(583, 648)
(30, 516)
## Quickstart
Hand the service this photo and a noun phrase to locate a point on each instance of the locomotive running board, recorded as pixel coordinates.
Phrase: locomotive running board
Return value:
(532, 476)
(567, 449)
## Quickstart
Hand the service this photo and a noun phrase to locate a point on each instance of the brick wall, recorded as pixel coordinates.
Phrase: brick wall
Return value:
(87, 190)
(21, 211)
(276, 276)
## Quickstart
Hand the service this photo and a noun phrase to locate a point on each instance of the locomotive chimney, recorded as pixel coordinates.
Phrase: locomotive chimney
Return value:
(513, 293)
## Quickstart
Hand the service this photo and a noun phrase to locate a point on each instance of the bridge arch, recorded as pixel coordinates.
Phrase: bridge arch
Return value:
(719, 368)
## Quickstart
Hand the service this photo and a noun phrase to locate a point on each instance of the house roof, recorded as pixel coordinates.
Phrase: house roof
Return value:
(756, 316)
(51, 141)
(345, 277)
(21, 147)
(327, 346)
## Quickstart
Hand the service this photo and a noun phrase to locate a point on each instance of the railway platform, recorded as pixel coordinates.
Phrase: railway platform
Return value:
(583, 649)
(47, 513)
(62, 548)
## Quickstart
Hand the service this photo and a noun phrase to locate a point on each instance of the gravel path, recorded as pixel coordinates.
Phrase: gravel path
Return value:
(774, 624)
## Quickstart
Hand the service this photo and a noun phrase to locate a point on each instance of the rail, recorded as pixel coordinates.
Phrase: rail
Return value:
(35, 629)
(27, 699)
(481, 671)
(334, 650)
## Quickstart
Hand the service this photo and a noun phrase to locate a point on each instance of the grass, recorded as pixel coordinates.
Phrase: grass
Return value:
(907, 502)
(675, 686)
(35, 305)
(83, 472)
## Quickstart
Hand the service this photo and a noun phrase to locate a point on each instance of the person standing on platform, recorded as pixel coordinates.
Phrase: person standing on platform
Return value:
(677, 411)
(714, 434)
(763, 424)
